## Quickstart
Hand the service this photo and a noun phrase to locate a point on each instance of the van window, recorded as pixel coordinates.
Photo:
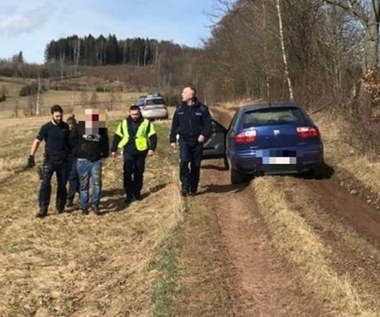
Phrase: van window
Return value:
(155, 101)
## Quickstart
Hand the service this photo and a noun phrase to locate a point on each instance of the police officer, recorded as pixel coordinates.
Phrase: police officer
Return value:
(56, 136)
(192, 122)
(136, 137)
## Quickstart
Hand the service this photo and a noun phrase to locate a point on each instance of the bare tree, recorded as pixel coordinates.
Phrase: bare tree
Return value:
(368, 14)
(283, 50)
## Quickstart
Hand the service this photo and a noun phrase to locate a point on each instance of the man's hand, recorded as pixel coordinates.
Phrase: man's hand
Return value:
(31, 163)
(201, 138)
(150, 153)
(173, 145)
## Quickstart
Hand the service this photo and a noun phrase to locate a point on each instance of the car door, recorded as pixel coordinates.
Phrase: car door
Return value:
(214, 147)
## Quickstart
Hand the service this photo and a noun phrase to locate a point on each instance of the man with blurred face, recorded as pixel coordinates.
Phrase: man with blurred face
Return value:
(192, 123)
(57, 148)
(92, 146)
(137, 138)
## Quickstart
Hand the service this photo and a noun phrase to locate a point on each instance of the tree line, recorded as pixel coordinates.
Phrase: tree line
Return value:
(109, 50)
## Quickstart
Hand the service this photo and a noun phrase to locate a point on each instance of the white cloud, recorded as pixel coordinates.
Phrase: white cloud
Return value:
(24, 19)
(15, 24)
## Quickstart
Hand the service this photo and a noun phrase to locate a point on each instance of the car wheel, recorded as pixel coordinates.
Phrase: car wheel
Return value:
(226, 165)
(237, 177)
(319, 172)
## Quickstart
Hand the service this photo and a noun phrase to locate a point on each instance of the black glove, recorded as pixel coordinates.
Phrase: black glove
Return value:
(31, 162)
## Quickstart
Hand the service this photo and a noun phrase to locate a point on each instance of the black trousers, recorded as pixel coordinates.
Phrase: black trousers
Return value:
(190, 165)
(134, 166)
(73, 178)
(61, 171)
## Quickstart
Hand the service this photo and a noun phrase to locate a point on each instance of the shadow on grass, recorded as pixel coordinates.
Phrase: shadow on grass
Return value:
(223, 188)
(114, 199)
(214, 167)
(324, 171)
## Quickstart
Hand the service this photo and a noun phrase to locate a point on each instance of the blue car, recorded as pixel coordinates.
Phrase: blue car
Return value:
(269, 138)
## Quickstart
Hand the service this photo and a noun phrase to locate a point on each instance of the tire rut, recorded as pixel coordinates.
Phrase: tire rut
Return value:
(350, 209)
(264, 282)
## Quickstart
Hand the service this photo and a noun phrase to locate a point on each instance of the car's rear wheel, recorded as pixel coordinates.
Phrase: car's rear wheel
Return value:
(237, 177)
(317, 172)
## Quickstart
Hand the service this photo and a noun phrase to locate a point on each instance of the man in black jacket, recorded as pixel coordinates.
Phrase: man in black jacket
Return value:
(137, 138)
(57, 148)
(91, 145)
(192, 123)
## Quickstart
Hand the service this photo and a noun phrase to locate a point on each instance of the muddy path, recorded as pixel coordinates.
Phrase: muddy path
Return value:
(264, 283)
(349, 208)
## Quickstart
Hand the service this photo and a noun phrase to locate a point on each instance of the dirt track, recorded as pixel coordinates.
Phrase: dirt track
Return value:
(264, 283)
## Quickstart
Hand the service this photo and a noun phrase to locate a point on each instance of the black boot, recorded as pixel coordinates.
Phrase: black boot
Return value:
(96, 210)
(41, 213)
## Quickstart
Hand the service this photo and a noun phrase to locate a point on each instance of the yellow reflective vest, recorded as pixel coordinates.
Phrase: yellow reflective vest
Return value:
(145, 130)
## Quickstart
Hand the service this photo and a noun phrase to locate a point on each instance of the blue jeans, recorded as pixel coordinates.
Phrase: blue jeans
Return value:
(86, 170)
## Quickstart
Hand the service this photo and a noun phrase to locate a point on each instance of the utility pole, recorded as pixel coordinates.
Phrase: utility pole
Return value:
(38, 96)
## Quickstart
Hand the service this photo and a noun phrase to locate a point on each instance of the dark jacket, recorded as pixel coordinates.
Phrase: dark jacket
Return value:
(91, 147)
(191, 121)
(130, 147)
(56, 136)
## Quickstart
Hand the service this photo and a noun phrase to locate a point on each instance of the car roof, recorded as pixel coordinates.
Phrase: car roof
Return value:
(154, 97)
(267, 105)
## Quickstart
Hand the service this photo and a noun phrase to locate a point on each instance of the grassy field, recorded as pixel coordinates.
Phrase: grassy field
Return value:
(72, 265)
(71, 101)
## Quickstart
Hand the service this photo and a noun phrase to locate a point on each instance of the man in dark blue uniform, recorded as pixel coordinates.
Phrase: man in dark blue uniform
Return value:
(56, 136)
(192, 123)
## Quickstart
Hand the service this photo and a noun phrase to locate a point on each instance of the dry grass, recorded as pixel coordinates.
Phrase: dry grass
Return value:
(75, 265)
(344, 157)
(296, 239)
(70, 102)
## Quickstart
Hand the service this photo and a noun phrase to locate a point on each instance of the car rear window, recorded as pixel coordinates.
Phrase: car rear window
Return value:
(155, 101)
(273, 116)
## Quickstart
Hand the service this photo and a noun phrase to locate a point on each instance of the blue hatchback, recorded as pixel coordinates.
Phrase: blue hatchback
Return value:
(277, 138)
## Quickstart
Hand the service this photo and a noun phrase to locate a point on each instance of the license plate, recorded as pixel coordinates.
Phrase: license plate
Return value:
(279, 160)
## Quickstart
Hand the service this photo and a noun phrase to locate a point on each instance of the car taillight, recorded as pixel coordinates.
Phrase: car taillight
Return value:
(246, 137)
(307, 132)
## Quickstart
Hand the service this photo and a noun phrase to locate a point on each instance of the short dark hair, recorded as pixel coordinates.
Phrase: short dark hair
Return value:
(134, 107)
(194, 90)
(56, 108)
(71, 120)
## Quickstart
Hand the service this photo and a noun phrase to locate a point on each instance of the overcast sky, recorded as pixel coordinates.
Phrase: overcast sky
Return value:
(28, 25)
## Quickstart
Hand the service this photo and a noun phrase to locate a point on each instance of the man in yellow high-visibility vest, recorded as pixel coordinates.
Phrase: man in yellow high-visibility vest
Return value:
(136, 137)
